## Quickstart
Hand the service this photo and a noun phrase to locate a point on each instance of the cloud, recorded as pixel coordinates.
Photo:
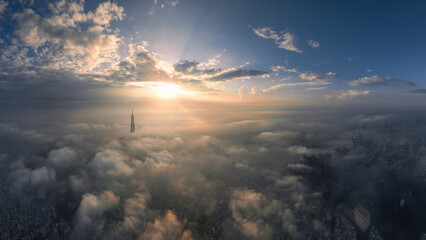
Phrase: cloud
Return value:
(275, 136)
(163, 4)
(251, 210)
(295, 84)
(111, 163)
(136, 214)
(166, 227)
(135, 210)
(89, 217)
(317, 77)
(281, 68)
(255, 178)
(351, 94)
(22, 179)
(141, 65)
(313, 43)
(3, 5)
(380, 81)
(420, 91)
(144, 65)
(62, 158)
(191, 67)
(314, 80)
(298, 149)
(80, 182)
(283, 39)
(70, 38)
(238, 73)
(69, 51)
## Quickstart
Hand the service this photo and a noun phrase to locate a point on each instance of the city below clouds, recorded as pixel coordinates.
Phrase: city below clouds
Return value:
(187, 119)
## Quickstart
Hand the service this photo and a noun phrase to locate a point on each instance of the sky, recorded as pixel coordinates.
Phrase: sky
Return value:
(300, 51)
(239, 107)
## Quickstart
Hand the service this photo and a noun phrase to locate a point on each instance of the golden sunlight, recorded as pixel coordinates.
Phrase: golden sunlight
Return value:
(162, 89)
(167, 90)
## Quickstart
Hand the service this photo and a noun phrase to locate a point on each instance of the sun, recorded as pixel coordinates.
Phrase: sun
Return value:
(163, 90)
(167, 90)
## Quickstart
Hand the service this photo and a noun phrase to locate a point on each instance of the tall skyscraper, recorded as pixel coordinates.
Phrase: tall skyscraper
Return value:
(132, 123)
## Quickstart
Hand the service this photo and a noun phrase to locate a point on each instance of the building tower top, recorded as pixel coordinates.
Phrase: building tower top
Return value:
(132, 123)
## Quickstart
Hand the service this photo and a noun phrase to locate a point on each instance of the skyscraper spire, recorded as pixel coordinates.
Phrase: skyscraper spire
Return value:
(132, 123)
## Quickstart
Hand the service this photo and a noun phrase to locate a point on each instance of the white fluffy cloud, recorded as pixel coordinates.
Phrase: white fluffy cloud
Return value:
(284, 39)
(111, 163)
(166, 227)
(251, 210)
(62, 158)
(71, 38)
(89, 217)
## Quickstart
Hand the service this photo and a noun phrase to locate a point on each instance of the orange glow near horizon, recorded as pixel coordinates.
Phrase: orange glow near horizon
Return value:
(162, 89)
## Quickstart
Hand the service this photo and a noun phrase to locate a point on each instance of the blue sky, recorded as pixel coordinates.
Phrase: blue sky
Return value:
(327, 49)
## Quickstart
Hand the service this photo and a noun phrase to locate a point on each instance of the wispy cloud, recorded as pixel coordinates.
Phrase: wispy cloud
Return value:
(313, 43)
(163, 4)
(318, 77)
(277, 69)
(295, 84)
(380, 81)
(283, 39)
(349, 94)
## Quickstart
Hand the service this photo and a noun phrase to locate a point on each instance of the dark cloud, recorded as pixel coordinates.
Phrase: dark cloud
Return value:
(192, 67)
(238, 73)
(421, 91)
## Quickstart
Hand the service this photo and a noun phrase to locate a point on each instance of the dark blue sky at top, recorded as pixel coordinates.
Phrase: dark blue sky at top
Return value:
(385, 36)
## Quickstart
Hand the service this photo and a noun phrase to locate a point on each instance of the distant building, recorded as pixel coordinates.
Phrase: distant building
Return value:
(361, 217)
(132, 123)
